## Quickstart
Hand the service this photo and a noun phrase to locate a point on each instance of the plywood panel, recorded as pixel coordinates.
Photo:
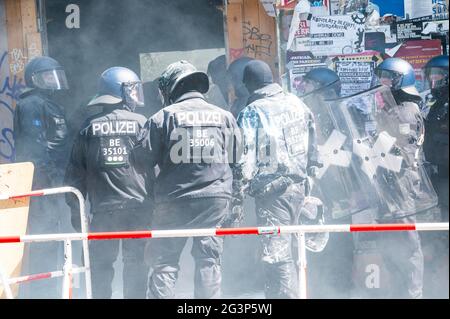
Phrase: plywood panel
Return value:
(17, 56)
(267, 27)
(14, 179)
(29, 16)
(234, 30)
(251, 32)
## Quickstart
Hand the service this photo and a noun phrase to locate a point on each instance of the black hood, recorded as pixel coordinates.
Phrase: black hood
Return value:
(257, 74)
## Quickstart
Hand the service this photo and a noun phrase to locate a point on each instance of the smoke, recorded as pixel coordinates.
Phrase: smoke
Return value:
(115, 33)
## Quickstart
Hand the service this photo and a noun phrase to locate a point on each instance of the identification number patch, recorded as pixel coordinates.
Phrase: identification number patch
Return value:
(294, 136)
(114, 151)
(202, 142)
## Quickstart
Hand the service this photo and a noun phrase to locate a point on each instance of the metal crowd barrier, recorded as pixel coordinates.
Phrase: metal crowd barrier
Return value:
(262, 231)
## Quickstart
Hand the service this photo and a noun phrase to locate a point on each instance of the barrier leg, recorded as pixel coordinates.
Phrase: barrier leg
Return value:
(67, 270)
(85, 243)
(302, 264)
(6, 286)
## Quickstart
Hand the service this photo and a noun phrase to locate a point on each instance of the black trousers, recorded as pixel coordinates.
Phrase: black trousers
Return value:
(403, 258)
(277, 255)
(103, 253)
(164, 253)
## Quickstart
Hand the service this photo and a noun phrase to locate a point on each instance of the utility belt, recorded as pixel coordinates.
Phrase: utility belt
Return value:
(269, 185)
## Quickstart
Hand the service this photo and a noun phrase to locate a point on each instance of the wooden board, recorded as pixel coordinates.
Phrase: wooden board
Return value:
(14, 178)
(251, 32)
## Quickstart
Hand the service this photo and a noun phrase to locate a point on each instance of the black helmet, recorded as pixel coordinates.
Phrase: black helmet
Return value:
(178, 72)
(45, 73)
(320, 80)
(436, 72)
(119, 85)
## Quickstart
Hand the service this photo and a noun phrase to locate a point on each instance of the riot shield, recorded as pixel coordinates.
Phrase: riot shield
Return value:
(386, 143)
(339, 182)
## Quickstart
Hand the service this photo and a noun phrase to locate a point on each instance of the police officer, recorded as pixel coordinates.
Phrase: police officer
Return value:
(119, 191)
(402, 252)
(436, 127)
(279, 152)
(436, 153)
(330, 270)
(235, 75)
(188, 141)
(41, 135)
(322, 81)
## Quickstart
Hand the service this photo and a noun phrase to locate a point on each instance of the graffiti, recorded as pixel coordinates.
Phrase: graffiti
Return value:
(256, 42)
(33, 51)
(18, 61)
(10, 90)
(6, 144)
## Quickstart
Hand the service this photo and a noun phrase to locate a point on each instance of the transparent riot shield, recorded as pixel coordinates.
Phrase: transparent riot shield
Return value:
(339, 182)
(387, 150)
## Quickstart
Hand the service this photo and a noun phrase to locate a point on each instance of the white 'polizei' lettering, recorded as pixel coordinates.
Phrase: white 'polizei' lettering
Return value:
(114, 128)
(287, 118)
(199, 118)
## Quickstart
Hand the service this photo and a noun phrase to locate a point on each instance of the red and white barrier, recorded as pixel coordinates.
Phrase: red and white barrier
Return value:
(276, 230)
(67, 271)
(85, 237)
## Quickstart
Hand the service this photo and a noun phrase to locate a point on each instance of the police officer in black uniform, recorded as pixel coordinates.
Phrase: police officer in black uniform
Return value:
(436, 154)
(119, 191)
(41, 136)
(404, 193)
(279, 154)
(436, 128)
(189, 140)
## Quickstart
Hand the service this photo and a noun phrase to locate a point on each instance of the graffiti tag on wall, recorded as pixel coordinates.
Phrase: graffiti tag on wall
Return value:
(255, 42)
(10, 90)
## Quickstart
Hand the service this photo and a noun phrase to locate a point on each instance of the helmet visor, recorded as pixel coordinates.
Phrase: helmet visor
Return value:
(436, 77)
(133, 94)
(51, 80)
(305, 86)
(389, 78)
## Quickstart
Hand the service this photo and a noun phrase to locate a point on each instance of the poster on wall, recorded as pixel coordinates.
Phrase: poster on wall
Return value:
(418, 53)
(269, 7)
(437, 8)
(375, 41)
(356, 76)
(388, 30)
(332, 35)
(440, 26)
(319, 7)
(300, 63)
(408, 29)
(347, 6)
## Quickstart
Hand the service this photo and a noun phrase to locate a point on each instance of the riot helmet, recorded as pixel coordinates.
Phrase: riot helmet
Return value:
(436, 72)
(45, 73)
(397, 74)
(119, 85)
(320, 80)
(181, 77)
